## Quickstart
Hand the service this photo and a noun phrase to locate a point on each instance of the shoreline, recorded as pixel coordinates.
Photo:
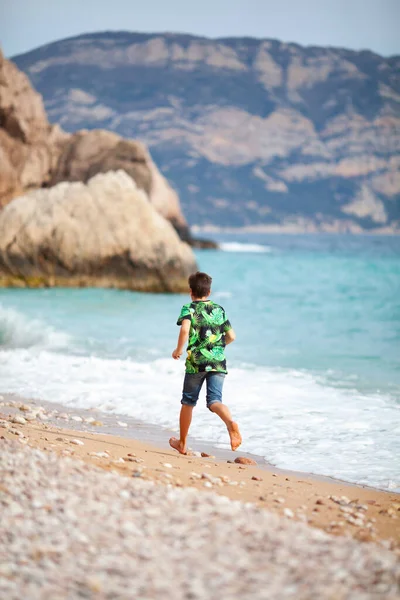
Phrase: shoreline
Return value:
(291, 230)
(132, 449)
(158, 436)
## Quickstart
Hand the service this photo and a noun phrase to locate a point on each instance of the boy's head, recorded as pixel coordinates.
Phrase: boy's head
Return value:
(200, 284)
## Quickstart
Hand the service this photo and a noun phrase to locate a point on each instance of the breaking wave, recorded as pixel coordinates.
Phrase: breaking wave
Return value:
(18, 331)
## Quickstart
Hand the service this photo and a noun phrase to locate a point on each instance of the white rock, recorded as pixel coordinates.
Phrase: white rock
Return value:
(77, 418)
(18, 419)
(288, 513)
(78, 442)
(122, 424)
(100, 454)
(42, 416)
(167, 465)
(30, 416)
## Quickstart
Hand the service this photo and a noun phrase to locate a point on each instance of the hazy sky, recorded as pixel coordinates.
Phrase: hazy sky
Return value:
(358, 24)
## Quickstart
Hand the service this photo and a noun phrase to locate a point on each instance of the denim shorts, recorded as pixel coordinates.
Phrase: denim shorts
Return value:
(192, 385)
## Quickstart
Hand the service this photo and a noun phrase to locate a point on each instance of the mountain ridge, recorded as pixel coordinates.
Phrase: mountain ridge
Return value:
(251, 132)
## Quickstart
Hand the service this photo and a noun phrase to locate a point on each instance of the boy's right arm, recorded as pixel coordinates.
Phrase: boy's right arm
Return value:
(182, 339)
(230, 336)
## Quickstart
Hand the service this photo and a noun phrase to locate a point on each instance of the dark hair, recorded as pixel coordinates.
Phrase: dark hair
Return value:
(200, 284)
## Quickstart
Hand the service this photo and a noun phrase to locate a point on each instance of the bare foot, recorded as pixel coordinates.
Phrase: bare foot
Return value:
(177, 445)
(234, 434)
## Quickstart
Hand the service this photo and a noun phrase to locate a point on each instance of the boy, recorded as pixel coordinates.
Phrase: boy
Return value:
(205, 324)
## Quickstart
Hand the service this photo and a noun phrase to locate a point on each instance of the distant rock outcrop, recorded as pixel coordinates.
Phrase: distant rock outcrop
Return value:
(104, 233)
(35, 154)
(251, 132)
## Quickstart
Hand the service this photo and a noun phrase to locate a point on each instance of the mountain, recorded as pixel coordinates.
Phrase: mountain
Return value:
(250, 132)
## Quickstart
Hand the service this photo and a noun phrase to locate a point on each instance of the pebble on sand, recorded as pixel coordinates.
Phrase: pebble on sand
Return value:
(18, 419)
(78, 442)
(243, 460)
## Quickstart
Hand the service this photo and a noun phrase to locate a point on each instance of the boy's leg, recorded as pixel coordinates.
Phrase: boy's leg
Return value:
(191, 390)
(215, 382)
(185, 418)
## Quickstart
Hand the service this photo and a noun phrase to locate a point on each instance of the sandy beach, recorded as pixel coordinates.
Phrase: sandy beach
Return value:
(336, 507)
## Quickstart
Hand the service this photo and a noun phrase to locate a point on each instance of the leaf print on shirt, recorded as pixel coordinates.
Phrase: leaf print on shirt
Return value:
(218, 316)
(206, 345)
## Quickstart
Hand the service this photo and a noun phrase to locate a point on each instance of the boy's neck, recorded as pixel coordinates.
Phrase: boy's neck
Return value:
(204, 299)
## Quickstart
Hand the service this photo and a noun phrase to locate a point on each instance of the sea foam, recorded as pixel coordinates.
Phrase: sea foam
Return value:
(241, 247)
(17, 331)
(292, 419)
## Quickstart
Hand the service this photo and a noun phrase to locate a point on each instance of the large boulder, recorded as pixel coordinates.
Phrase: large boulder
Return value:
(29, 145)
(104, 233)
(87, 153)
(35, 154)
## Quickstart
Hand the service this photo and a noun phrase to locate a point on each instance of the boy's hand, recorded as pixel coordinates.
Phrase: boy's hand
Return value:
(176, 354)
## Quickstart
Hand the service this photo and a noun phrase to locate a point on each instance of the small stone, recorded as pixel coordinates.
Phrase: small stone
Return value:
(77, 418)
(280, 500)
(256, 478)
(207, 484)
(288, 513)
(42, 416)
(136, 474)
(122, 424)
(16, 432)
(30, 416)
(167, 465)
(99, 454)
(24, 408)
(97, 423)
(18, 419)
(205, 455)
(77, 442)
(319, 501)
(243, 460)
(131, 454)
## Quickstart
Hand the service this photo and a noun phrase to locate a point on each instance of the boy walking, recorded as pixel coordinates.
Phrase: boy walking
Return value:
(204, 324)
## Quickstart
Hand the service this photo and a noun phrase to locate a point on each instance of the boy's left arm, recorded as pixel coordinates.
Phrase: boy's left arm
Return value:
(182, 339)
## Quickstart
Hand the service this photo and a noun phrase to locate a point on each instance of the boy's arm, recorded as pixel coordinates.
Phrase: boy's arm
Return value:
(230, 336)
(182, 339)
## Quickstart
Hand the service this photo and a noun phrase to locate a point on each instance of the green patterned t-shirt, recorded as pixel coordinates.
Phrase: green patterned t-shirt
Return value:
(206, 345)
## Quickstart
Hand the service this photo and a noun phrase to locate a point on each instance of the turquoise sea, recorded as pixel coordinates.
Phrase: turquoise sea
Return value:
(314, 376)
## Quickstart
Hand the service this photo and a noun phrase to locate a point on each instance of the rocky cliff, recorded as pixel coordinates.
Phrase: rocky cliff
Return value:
(104, 233)
(250, 132)
(35, 154)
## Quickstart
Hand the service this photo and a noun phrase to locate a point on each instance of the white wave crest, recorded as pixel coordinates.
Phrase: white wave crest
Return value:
(240, 247)
(18, 331)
